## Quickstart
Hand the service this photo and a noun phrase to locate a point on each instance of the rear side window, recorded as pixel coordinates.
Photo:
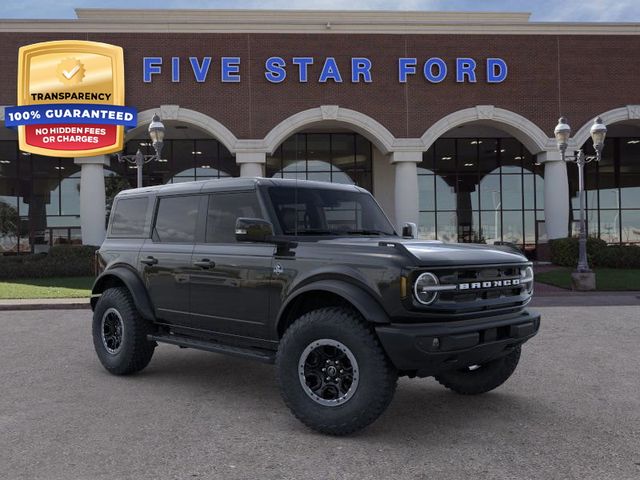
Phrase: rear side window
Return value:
(129, 217)
(224, 210)
(176, 219)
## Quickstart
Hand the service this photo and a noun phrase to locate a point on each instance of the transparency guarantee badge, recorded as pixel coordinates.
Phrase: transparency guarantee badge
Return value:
(70, 99)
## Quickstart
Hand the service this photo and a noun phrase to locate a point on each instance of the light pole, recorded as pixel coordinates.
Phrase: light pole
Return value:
(598, 133)
(156, 133)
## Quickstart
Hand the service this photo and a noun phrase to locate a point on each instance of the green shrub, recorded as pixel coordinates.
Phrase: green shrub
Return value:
(564, 252)
(61, 261)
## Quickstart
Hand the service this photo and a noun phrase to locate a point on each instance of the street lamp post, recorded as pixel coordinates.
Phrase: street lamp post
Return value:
(156, 133)
(562, 133)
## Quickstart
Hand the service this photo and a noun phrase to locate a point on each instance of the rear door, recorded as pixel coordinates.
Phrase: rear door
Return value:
(230, 280)
(165, 258)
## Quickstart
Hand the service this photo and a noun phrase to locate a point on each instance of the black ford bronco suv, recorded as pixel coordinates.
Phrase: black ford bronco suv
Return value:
(312, 277)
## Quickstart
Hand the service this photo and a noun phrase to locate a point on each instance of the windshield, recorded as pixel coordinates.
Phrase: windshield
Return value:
(324, 211)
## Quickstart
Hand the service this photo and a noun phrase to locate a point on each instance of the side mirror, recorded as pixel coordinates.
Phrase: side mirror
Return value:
(253, 230)
(409, 230)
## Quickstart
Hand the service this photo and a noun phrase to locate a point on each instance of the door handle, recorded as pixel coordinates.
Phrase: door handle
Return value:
(149, 260)
(205, 263)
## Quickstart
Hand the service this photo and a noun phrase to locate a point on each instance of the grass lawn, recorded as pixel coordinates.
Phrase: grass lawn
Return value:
(57, 287)
(606, 278)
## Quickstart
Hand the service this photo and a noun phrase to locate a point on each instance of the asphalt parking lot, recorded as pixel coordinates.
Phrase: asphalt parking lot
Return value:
(572, 410)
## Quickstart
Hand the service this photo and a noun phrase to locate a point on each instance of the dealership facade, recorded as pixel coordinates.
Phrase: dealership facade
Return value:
(447, 118)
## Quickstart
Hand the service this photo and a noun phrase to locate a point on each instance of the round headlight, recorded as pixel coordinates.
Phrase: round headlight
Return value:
(423, 288)
(526, 278)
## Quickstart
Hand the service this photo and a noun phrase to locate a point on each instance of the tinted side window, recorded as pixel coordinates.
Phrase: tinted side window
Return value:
(129, 217)
(176, 219)
(224, 210)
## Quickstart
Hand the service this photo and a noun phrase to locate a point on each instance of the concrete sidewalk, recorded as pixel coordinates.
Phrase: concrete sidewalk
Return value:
(44, 304)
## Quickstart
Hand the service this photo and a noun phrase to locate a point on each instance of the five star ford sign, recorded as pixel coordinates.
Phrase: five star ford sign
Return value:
(70, 99)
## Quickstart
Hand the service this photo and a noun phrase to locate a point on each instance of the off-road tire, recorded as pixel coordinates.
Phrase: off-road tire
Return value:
(490, 375)
(377, 376)
(135, 351)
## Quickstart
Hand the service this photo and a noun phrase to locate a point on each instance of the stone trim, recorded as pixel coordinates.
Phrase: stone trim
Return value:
(629, 112)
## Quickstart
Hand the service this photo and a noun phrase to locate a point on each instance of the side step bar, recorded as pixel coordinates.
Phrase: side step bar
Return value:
(265, 356)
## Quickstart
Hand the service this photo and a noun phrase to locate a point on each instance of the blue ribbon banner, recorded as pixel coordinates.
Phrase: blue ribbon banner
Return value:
(70, 113)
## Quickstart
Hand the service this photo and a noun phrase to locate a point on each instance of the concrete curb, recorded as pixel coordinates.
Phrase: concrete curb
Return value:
(45, 304)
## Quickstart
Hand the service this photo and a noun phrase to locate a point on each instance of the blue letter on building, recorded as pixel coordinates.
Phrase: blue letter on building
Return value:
(151, 66)
(331, 71)
(428, 70)
(230, 69)
(496, 70)
(175, 69)
(303, 64)
(360, 66)
(465, 66)
(406, 66)
(275, 69)
(200, 71)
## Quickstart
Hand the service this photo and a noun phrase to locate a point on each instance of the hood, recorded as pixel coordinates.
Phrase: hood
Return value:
(436, 253)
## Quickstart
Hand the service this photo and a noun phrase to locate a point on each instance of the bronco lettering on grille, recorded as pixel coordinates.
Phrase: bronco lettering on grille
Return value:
(509, 282)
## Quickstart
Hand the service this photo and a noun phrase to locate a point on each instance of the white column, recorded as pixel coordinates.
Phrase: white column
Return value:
(556, 195)
(92, 199)
(251, 163)
(406, 187)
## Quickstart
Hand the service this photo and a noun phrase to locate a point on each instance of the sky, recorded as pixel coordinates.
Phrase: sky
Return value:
(542, 10)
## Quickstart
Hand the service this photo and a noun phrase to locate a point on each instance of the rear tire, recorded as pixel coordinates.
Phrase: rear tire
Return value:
(120, 333)
(486, 377)
(357, 383)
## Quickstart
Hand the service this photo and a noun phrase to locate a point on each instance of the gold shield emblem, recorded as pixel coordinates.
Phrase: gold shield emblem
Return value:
(71, 74)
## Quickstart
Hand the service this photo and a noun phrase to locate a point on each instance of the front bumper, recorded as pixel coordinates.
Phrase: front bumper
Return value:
(429, 348)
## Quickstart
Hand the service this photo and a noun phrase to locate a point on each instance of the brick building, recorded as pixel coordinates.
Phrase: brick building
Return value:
(447, 118)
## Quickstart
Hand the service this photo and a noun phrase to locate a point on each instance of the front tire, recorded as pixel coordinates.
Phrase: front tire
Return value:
(120, 333)
(332, 372)
(483, 378)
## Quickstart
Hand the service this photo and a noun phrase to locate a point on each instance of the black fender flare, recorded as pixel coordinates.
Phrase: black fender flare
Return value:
(363, 301)
(133, 283)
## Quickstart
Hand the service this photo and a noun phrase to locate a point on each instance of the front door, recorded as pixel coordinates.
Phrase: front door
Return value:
(166, 257)
(230, 281)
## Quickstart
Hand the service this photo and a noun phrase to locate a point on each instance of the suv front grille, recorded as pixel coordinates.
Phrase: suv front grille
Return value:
(480, 289)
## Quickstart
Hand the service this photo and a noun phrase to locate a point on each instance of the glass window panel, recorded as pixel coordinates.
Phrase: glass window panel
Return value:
(491, 225)
(445, 156)
(223, 212)
(300, 175)
(511, 156)
(512, 230)
(630, 190)
(511, 192)
(488, 155)
(490, 192)
(608, 192)
(629, 155)
(318, 151)
(427, 226)
(426, 192)
(610, 226)
(129, 217)
(528, 192)
(343, 151)
(176, 219)
(8, 158)
(68, 167)
(206, 156)
(294, 153)
(467, 192)
(530, 228)
(631, 226)
(181, 163)
(342, 177)
(447, 226)
(467, 154)
(469, 230)
(9, 222)
(445, 194)
(363, 179)
(44, 166)
(70, 196)
(321, 176)
(363, 152)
